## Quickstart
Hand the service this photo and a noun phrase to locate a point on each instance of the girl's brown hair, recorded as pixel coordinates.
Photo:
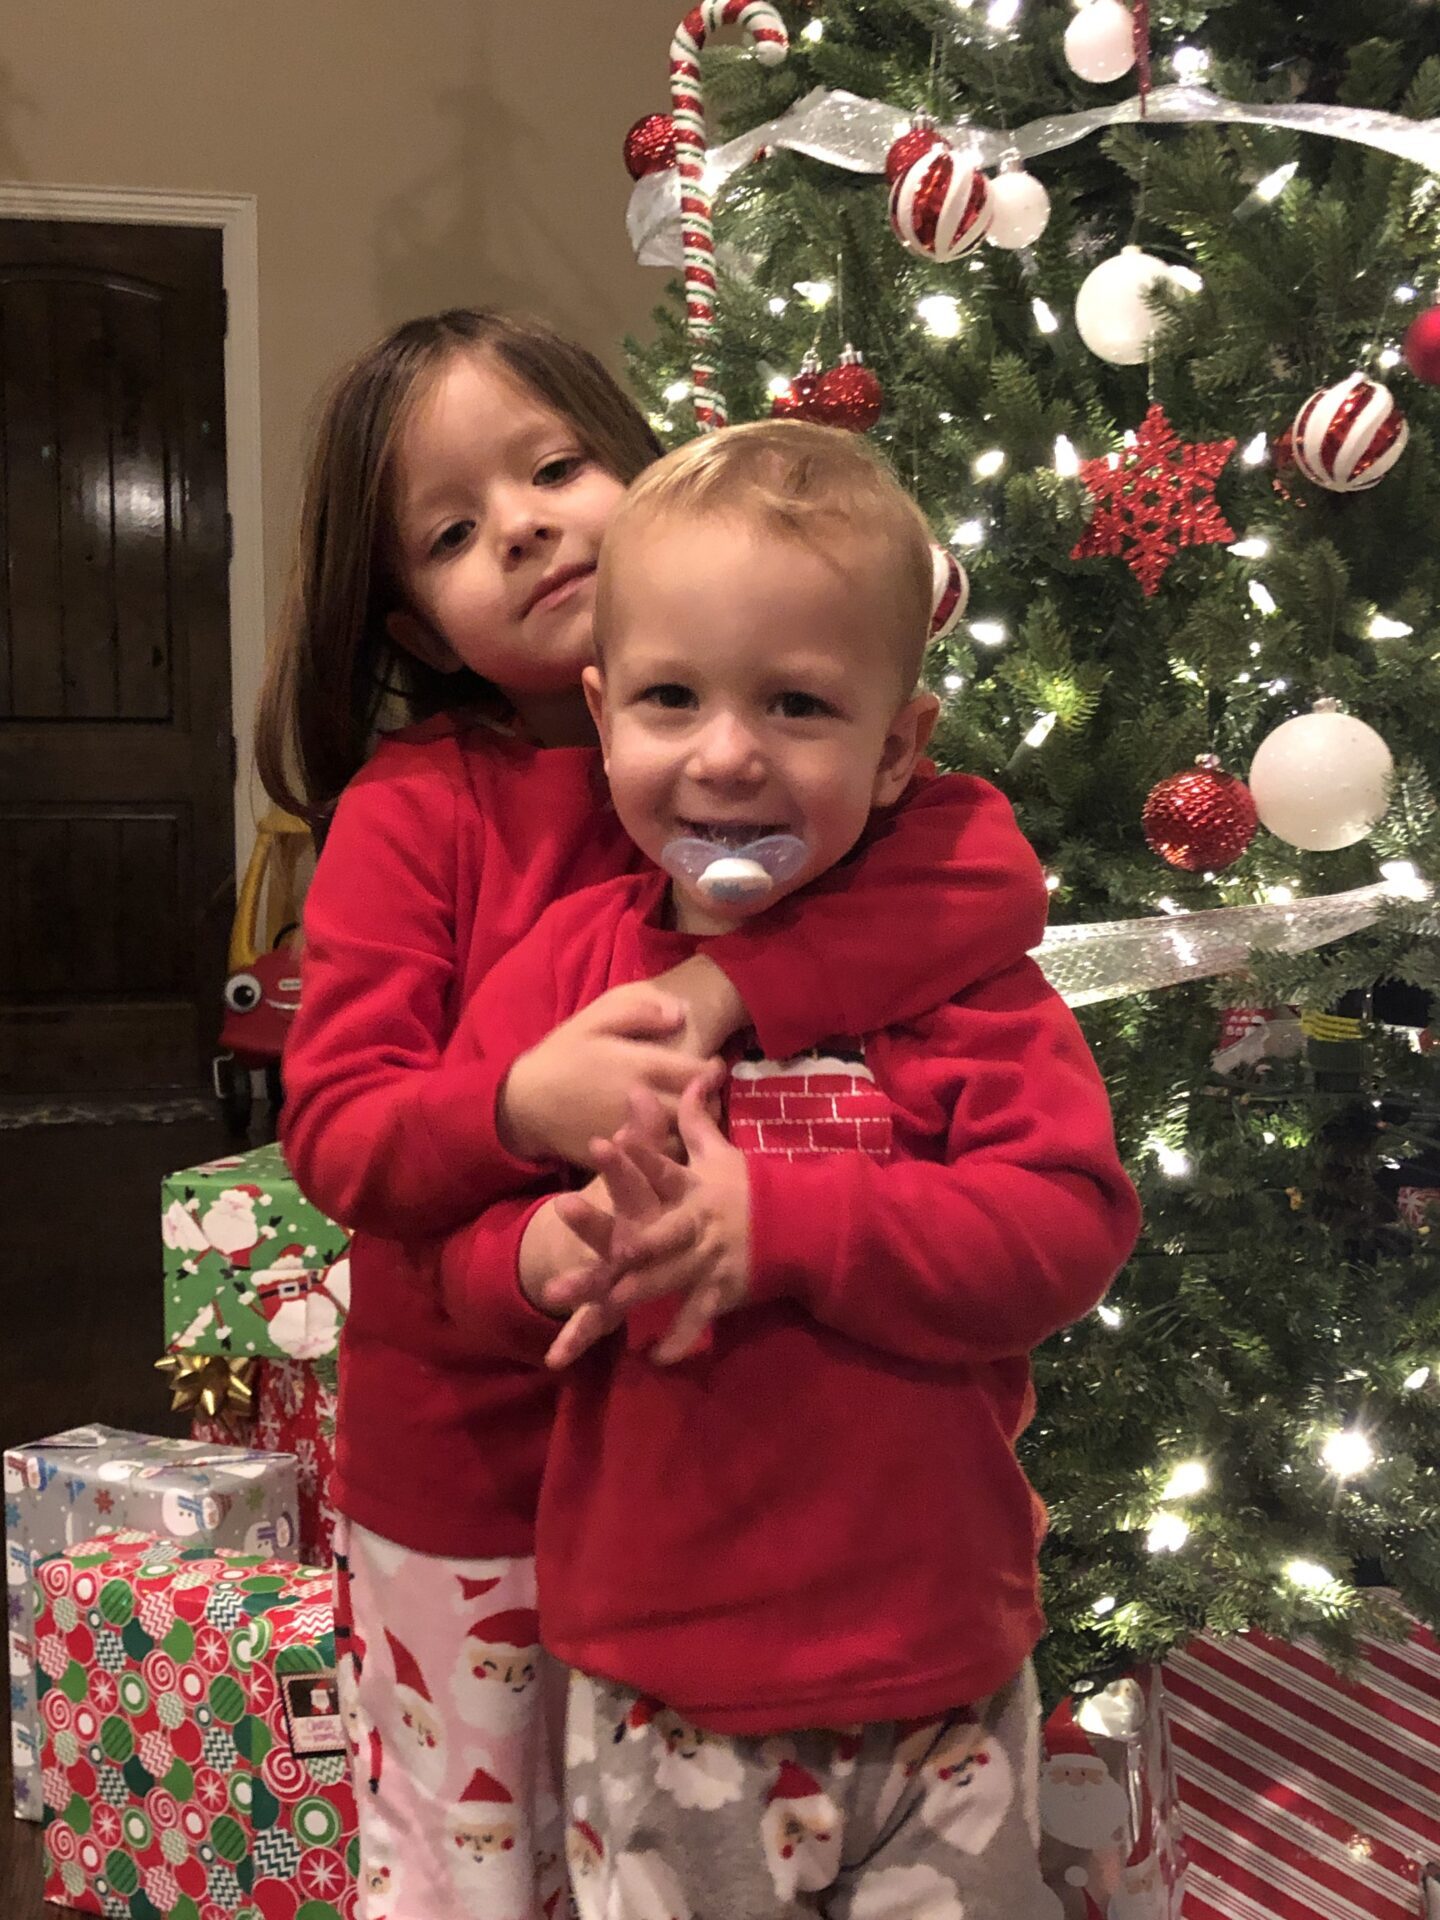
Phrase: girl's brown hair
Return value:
(332, 665)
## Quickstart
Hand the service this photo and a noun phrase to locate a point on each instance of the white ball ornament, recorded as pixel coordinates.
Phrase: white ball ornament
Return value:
(1100, 41)
(1020, 209)
(1346, 438)
(940, 207)
(1112, 311)
(1322, 780)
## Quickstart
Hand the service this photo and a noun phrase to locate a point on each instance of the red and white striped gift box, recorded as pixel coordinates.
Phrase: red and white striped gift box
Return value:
(1306, 1794)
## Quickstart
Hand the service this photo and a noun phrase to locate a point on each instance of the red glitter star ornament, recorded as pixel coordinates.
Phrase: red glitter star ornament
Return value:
(1153, 499)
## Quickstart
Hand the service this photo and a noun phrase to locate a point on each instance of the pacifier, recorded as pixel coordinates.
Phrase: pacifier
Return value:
(735, 875)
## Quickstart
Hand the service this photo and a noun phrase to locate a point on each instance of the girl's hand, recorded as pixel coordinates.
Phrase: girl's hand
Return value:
(713, 1008)
(674, 1230)
(572, 1088)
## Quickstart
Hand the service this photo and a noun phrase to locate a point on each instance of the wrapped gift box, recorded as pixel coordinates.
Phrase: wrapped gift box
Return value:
(194, 1760)
(77, 1484)
(1110, 1845)
(292, 1410)
(250, 1266)
(1305, 1792)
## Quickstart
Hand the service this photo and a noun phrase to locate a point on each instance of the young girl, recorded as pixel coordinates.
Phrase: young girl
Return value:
(465, 470)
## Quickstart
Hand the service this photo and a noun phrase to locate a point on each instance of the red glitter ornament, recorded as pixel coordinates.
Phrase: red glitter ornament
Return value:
(921, 137)
(848, 395)
(1153, 499)
(797, 402)
(1202, 819)
(650, 146)
(1422, 347)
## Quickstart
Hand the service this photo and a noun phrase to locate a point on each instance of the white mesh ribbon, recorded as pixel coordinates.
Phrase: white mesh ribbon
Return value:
(1106, 959)
(843, 130)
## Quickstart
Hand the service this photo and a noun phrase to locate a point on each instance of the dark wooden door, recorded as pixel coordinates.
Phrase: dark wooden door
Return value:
(116, 824)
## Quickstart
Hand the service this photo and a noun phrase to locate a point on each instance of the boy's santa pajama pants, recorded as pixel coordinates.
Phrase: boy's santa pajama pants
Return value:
(451, 1713)
(898, 1820)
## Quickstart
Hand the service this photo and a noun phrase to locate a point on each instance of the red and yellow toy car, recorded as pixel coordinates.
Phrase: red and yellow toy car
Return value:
(262, 992)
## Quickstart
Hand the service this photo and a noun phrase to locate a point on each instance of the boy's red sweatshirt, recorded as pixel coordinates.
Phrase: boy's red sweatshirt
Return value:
(821, 1520)
(442, 855)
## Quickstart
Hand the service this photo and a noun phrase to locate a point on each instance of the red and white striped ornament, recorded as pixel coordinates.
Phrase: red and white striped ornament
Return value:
(920, 137)
(940, 206)
(1346, 438)
(951, 593)
(770, 42)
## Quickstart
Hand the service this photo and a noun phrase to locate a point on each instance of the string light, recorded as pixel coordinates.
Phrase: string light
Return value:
(1046, 319)
(1188, 1479)
(1268, 1137)
(1405, 294)
(778, 304)
(1112, 1317)
(1105, 1604)
(1003, 13)
(988, 464)
(1308, 1574)
(1280, 896)
(1167, 905)
(679, 389)
(1254, 451)
(815, 31)
(1261, 597)
(941, 315)
(818, 292)
(1174, 1164)
(1382, 627)
(1255, 548)
(1053, 883)
(1067, 460)
(954, 682)
(777, 388)
(1347, 1452)
(990, 633)
(969, 533)
(1404, 880)
(1167, 1533)
(1190, 63)
(1274, 184)
(1390, 357)
(1413, 1382)
(1041, 731)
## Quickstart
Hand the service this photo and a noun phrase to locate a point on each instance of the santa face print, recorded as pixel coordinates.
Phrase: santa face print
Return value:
(966, 1782)
(480, 1839)
(375, 1881)
(502, 1666)
(694, 1767)
(1080, 1804)
(1139, 1895)
(802, 1841)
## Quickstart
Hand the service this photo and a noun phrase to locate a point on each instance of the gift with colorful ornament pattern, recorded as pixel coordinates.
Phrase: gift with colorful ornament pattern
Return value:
(1110, 1845)
(251, 1267)
(1303, 1791)
(290, 1409)
(80, 1483)
(194, 1761)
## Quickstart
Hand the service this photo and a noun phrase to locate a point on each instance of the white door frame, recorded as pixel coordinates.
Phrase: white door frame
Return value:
(235, 216)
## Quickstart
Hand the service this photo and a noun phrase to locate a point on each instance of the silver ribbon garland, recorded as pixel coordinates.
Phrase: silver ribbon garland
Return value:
(842, 130)
(1107, 959)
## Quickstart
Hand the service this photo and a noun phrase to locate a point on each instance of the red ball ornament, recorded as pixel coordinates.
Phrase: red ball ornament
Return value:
(848, 395)
(1200, 820)
(650, 146)
(920, 138)
(797, 401)
(1422, 348)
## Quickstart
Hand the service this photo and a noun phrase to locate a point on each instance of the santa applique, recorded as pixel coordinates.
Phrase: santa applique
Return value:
(482, 1824)
(800, 1831)
(824, 1101)
(502, 1650)
(303, 1305)
(1084, 1817)
(697, 1769)
(417, 1712)
(965, 1780)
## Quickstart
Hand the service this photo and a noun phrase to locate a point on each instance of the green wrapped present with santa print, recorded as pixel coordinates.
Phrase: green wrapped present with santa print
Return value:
(251, 1268)
(193, 1764)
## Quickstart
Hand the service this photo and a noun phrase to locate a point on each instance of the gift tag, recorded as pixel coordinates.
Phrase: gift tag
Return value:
(312, 1711)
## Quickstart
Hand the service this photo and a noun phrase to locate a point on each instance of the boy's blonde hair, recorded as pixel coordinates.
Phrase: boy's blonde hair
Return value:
(816, 485)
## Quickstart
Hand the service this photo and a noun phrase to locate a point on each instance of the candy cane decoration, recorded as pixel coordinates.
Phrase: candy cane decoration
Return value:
(771, 44)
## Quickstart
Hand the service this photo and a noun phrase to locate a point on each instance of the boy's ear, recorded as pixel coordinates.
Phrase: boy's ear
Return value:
(909, 734)
(414, 637)
(593, 681)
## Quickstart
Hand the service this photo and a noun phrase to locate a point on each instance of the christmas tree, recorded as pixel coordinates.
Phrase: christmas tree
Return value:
(1247, 1432)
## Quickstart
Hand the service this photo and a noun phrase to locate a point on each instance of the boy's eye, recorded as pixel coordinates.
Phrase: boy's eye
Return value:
(451, 538)
(556, 472)
(669, 694)
(802, 706)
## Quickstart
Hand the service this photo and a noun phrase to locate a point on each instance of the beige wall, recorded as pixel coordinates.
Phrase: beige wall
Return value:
(405, 155)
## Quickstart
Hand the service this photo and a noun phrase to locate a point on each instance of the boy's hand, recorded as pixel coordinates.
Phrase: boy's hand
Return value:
(572, 1088)
(675, 1230)
(713, 1007)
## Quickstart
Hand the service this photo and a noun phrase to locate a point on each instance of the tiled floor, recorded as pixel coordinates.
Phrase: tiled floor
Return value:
(80, 1312)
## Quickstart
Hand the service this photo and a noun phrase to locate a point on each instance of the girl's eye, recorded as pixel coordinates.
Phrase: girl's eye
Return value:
(669, 694)
(556, 472)
(803, 706)
(451, 538)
